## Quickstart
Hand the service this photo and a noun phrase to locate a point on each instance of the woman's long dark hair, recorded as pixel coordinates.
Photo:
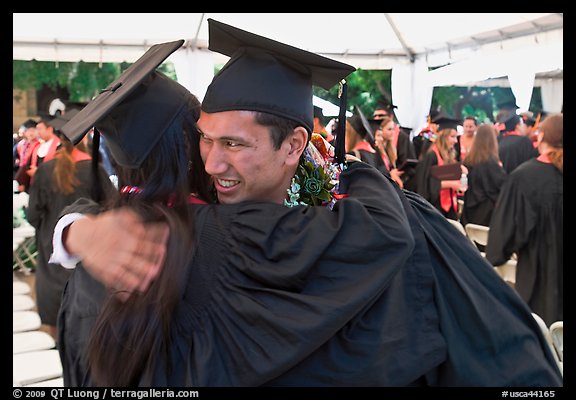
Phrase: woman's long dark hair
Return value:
(130, 339)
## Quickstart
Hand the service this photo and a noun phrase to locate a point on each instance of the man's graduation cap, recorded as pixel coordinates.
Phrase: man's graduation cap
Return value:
(386, 106)
(135, 110)
(62, 119)
(508, 105)
(510, 120)
(318, 112)
(267, 76)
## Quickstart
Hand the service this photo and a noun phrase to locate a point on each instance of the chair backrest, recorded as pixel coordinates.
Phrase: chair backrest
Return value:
(23, 342)
(458, 225)
(25, 321)
(546, 332)
(22, 302)
(477, 233)
(36, 366)
(507, 271)
(20, 287)
(557, 333)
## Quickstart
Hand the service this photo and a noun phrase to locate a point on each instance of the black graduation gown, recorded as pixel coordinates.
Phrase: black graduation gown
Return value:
(429, 187)
(484, 183)
(372, 159)
(405, 150)
(44, 206)
(421, 142)
(268, 286)
(513, 150)
(492, 338)
(528, 219)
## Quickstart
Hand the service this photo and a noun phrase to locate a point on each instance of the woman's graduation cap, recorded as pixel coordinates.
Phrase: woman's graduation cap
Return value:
(135, 110)
(267, 76)
(445, 121)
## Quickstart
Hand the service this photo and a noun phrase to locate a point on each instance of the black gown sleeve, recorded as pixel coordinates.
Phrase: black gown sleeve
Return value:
(427, 186)
(287, 280)
(511, 224)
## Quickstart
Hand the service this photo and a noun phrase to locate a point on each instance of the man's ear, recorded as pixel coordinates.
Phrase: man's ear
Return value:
(297, 142)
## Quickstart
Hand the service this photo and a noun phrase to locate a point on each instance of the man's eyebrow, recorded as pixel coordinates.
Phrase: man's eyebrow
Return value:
(225, 137)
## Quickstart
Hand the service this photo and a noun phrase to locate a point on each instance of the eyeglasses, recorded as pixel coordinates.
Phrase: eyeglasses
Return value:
(379, 115)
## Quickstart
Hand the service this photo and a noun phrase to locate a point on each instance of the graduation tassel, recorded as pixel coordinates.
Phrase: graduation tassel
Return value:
(339, 147)
(97, 193)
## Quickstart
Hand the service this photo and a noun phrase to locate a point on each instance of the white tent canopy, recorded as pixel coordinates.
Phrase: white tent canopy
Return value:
(407, 43)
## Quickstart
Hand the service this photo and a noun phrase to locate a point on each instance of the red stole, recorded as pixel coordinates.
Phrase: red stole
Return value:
(79, 155)
(363, 145)
(544, 158)
(49, 155)
(447, 196)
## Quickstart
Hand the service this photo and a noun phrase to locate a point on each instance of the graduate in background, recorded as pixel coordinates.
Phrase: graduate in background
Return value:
(528, 220)
(485, 177)
(441, 193)
(514, 147)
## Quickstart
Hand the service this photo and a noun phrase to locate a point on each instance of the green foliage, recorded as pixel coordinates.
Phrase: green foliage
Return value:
(365, 87)
(83, 80)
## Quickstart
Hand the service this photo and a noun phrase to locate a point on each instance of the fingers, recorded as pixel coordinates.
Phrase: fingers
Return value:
(123, 252)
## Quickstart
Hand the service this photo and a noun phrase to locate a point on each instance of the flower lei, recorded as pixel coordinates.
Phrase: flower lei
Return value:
(317, 176)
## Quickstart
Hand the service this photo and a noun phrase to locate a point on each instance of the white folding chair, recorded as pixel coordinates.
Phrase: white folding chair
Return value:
(36, 366)
(20, 287)
(24, 248)
(457, 225)
(23, 321)
(507, 271)
(23, 342)
(58, 382)
(22, 302)
(546, 332)
(478, 234)
(557, 333)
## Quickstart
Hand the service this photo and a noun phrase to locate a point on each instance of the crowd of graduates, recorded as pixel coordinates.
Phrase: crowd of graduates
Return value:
(239, 248)
(498, 175)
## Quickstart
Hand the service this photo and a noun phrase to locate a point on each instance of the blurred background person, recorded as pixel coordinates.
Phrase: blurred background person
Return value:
(441, 193)
(57, 183)
(529, 219)
(45, 151)
(383, 137)
(485, 177)
(514, 147)
(466, 139)
(360, 144)
(23, 151)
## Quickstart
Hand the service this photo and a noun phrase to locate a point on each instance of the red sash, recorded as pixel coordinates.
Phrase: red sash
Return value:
(364, 146)
(49, 155)
(447, 196)
(544, 158)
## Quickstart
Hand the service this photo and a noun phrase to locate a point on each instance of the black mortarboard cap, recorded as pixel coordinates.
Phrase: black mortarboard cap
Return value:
(267, 76)
(406, 130)
(528, 120)
(135, 110)
(446, 122)
(374, 125)
(385, 105)
(508, 105)
(62, 119)
(356, 123)
(510, 120)
(362, 125)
